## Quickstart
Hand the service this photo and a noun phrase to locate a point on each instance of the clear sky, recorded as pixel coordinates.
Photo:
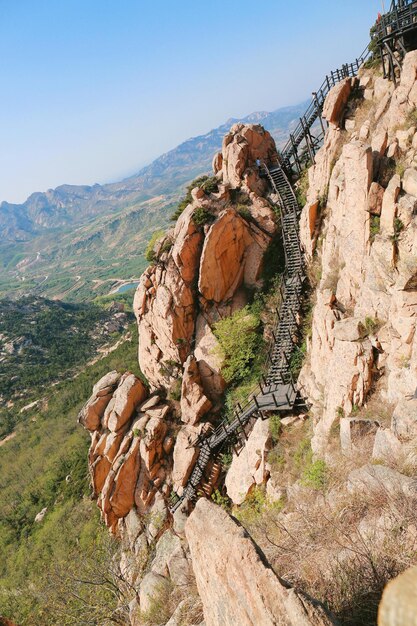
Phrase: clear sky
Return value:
(92, 90)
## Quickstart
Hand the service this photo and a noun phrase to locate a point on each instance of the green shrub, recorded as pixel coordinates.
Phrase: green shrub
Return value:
(303, 454)
(240, 342)
(202, 216)
(198, 182)
(175, 391)
(411, 119)
(297, 359)
(221, 500)
(398, 229)
(244, 212)
(315, 475)
(167, 245)
(301, 188)
(252, 507)
(149, 253)
(275, 427)
(226, 460)
(210, 185)
(372, 325)
(375, 226)
(400, 168)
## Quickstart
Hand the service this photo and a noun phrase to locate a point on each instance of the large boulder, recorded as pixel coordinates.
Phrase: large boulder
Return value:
(376, 479)
(194, 403)
(336, 101)
(185, 455)
(235, 583)
(92, 412)
(249, 467)
(399, 601)
(404, 420)
(128, 395)
(165, 305)
(223, 258)
(242, 146)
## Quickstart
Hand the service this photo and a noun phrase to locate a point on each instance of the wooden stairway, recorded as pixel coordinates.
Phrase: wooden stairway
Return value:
(278, 391)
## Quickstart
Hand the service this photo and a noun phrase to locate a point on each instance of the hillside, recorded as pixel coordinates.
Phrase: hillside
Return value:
(43, 471)
(77, 264)
(43, 342)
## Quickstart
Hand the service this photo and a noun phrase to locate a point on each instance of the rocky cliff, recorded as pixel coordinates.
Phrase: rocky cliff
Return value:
(329, 495)
(359, 230)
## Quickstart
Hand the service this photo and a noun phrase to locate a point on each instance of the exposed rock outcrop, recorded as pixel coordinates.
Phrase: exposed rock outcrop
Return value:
(249, 467)
(207, 264)
(127, 463)
(399, 601)
(240, 588)
(364, 319)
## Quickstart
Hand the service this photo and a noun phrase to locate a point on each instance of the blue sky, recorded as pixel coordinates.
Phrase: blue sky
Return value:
(91, 90)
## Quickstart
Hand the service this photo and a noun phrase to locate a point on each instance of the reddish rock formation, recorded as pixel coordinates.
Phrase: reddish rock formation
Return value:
(126, 457)
(238, 587)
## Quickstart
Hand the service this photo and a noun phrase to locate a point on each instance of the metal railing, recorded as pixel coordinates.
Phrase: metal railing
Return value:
(290, 154)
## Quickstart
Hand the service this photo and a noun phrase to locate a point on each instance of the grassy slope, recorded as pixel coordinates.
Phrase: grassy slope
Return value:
(33, 470)
(73, 264)
(52, 341)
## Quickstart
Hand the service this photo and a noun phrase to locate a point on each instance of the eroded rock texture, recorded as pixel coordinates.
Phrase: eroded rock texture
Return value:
(129, 433)
(363, 206)
(240, 588)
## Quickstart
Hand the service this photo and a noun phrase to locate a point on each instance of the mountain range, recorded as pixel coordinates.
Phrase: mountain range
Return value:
(55, 237)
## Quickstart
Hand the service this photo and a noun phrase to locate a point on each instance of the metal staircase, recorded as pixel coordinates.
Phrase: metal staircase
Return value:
(278, 392)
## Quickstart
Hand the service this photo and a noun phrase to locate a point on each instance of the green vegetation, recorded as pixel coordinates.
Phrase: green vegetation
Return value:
(198, 182)
(44, 341)
(275, 427)
(375, 226)
(175, 391)
(221, 500)
(398, 229)
(301, 188)
(372, 325)
(315, 475)
(149, 253)
(241, 343)
(244, 212)
(255, 507)
(210, 185)
(411, 119)
(80, 264)
(202, 216)
(45, 465)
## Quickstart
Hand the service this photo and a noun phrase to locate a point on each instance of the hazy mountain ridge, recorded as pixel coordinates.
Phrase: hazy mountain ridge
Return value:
(70, 205)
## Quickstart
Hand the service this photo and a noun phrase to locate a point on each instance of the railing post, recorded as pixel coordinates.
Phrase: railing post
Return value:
(319, 111)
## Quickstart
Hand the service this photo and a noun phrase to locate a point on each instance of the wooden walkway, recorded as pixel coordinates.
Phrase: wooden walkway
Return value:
(278, 392)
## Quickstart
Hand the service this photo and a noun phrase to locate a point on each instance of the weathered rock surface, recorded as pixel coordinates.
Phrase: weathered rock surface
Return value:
(194, 403)
(241, 147)
(336, 101)
(234, 582)
(399, 602)
(367, 275)
(126, 457)
(207, 264)
(380, 479)
(249, 467)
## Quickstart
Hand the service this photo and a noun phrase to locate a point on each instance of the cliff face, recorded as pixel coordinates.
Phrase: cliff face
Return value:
(360, 220)
(322, 497)
(205, 268)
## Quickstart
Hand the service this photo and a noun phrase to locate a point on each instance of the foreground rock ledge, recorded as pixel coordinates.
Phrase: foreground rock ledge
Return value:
(234, 582)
